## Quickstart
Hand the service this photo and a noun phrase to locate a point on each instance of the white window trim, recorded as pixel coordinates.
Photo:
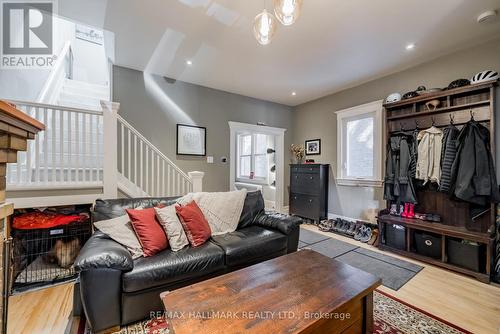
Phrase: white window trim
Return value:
(377, 109)
(279, 133)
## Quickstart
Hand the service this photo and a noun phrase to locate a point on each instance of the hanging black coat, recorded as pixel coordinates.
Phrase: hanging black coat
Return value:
(473, 173)
(448, 154)
(398, 182)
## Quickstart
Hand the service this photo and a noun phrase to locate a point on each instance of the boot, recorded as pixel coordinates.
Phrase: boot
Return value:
(411, 213)
(400, 211)
(405, 213)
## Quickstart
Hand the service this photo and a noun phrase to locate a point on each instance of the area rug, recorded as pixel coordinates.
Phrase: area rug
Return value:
(152, 326)
(394, 316)
(394, 272)
(391, 316)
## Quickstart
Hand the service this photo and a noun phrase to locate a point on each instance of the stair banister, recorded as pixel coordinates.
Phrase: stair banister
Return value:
(110, 155)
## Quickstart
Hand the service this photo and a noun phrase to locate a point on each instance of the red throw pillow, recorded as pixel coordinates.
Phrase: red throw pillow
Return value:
(148, 230)
(194, 223)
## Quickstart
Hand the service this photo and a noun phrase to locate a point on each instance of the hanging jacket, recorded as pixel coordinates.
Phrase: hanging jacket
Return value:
(398, 184)
(448, 154)
(429, 155)
(473, 173)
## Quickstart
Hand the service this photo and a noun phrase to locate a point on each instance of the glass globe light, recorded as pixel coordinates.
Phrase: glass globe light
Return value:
(264, 27)
(287, 11)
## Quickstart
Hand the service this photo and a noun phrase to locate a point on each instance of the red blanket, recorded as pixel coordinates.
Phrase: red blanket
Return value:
(36, 220)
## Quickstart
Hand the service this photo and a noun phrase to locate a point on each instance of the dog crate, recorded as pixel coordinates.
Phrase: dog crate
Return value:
(45, 245)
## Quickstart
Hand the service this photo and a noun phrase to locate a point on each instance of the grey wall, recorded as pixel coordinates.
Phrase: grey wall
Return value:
(154, 105)
(316, 119)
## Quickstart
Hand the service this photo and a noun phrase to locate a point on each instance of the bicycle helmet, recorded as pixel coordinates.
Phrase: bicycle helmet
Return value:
(458, 83)
(409, 95)
(394, 97)
(421, 88)
(485, 76)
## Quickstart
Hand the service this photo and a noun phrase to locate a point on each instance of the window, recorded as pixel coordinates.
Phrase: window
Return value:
(252, 164)
(359, 145)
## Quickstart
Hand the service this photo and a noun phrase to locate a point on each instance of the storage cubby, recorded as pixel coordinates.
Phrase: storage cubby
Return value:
(457, 242)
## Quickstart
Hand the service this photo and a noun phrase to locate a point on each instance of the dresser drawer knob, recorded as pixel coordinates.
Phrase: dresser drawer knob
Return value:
(310, 201)
(311, 177)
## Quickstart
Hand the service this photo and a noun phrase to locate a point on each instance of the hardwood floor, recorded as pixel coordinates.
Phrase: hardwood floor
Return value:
(45, 311)
(461, 300)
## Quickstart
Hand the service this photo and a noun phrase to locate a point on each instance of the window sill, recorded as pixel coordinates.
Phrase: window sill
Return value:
(253, 181)
(359, 183)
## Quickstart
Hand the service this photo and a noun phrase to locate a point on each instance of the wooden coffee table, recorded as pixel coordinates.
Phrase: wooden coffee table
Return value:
(302, 292)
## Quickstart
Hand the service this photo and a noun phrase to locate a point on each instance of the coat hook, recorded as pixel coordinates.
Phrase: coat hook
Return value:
(401, 126)
(452, 119)
(433, 121)
(416, 124)
(471, 115)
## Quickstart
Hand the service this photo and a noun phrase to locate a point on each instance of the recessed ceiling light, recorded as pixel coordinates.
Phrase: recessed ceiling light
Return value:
(410, 46)
(293, 93)
(189, 62)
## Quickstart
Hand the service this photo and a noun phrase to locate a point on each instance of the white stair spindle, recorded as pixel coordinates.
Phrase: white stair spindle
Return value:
(129, 156)
(135, 159)
(84, 147)
(36, 153)
(78, 178)
(70, 161)
(46, 146)
(53, 144)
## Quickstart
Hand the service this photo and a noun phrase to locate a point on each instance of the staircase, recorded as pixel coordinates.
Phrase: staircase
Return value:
(91, 153)
(82, 95)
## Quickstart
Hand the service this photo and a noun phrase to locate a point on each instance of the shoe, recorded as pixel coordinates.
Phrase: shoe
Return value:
(360, 232)
(336, 225)
(358, 226)
(366, 235)
(420, 216)
(352, 229)
(400, 211)
(405, 213)
(394, 210)
(411, 212)
(374, 239)
(436, 218)
(346, 226)
(325, 226)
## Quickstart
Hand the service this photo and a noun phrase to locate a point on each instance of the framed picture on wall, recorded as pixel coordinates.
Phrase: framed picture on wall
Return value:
(191, 140)
(313, 147)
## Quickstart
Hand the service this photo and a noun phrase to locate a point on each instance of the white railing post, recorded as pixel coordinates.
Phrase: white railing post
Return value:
(110, 138)
(196, 180)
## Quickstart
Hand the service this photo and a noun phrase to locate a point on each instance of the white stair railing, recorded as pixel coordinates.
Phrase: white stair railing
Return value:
(147, 169)
(94, 149)
(68, 154)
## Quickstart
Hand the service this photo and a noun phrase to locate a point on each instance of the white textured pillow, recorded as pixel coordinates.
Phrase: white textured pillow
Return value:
(120, 230)
(177, 238)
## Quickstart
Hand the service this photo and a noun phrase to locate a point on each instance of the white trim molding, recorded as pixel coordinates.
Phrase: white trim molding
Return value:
(376, 110)
(279, 134)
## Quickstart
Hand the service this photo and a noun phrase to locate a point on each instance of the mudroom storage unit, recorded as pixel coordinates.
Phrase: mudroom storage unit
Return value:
(465, 245)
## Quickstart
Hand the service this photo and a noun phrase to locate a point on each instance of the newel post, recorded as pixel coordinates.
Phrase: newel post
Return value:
(196, 180)
(110, 149)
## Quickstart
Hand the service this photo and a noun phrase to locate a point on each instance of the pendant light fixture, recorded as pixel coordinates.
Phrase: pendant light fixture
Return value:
(264, 27)
(287, 11)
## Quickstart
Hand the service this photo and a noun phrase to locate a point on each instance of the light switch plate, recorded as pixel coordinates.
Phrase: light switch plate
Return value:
(210, 159)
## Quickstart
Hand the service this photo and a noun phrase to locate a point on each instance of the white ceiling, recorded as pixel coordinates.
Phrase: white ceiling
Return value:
(334, 45)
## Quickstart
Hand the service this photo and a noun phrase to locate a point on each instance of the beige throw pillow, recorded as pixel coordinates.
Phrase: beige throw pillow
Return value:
(177, 238)
(120, 230)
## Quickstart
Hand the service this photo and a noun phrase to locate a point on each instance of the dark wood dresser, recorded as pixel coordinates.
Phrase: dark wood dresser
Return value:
(309, 191)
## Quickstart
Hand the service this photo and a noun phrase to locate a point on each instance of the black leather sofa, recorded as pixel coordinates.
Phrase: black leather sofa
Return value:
(116, 290)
